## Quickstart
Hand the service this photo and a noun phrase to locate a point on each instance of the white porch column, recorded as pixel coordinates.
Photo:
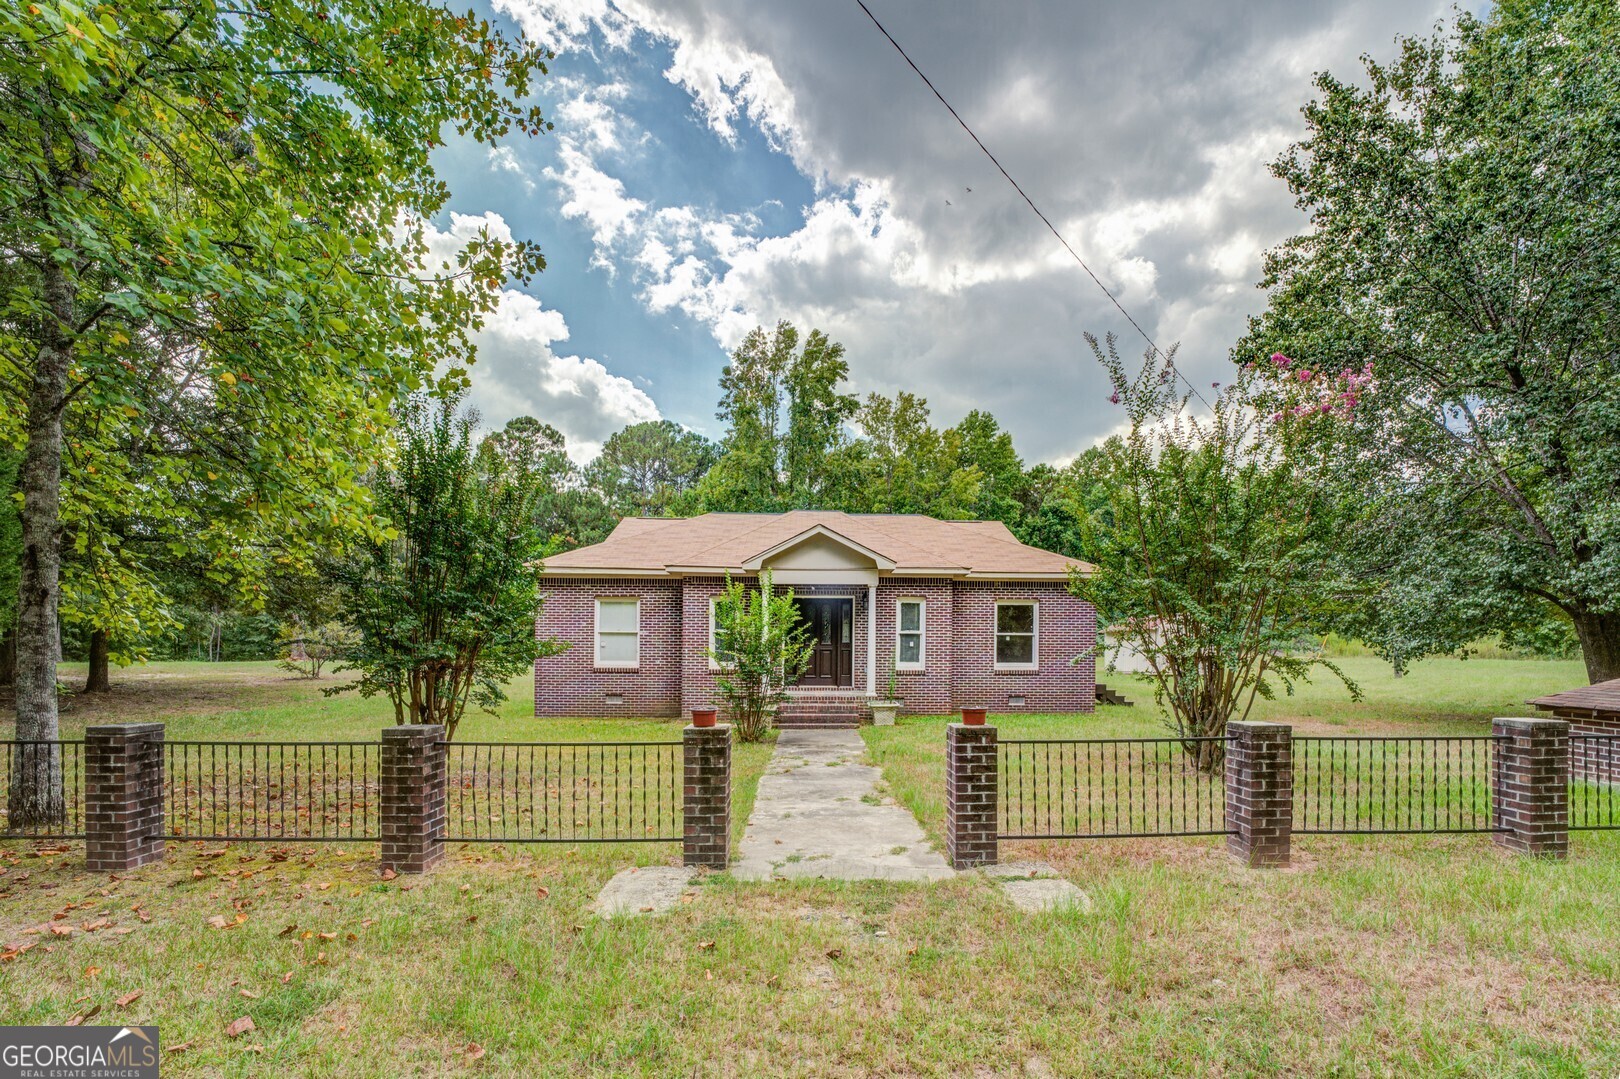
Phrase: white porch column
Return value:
(871, 640)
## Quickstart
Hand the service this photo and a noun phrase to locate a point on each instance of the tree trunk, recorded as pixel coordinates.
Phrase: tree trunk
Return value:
(35, 798)
(98, 680)
(1600, 644)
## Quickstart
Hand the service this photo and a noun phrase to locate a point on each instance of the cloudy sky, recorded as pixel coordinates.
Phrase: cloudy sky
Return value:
(718, 164)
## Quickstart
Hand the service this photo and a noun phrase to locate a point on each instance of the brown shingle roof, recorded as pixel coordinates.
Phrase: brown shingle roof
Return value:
(724, 541)
(1587, 700)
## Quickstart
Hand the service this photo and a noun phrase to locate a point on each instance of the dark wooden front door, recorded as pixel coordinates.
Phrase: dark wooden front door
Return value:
(831, 629)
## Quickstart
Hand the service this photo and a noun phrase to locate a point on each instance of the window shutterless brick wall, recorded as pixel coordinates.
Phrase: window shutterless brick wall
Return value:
(674, 675)
(926, 692)
(123, 796)
(570, 683)
(1067, 629)
(1530, 798)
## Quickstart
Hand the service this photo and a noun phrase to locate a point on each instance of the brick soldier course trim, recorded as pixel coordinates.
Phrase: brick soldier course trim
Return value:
(1530, 797)
(970, 795)
(1259, 792)
(123, 796)
(411, 799)
(706, 797)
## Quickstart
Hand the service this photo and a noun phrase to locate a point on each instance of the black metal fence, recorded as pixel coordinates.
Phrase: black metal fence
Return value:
(1389, 785)
(56, 767)
(525, 792)
(1594, 782)
(1110, 788)
(564, 792)
(252, 791)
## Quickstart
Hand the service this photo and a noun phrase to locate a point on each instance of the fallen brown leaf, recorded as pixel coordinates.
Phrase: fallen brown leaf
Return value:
(239, 1027)
(129, 998)
(79, 1019)
(389, 874)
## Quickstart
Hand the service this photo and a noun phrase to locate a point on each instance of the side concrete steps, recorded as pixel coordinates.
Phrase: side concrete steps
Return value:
(823, 710)
(1111, 696)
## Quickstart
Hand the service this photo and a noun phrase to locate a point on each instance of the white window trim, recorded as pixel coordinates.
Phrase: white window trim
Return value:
(714, 665)
(1034, 636)
(921, 631)
(596, 634)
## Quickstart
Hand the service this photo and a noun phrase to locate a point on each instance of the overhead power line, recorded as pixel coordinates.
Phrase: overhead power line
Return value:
(1031, 202)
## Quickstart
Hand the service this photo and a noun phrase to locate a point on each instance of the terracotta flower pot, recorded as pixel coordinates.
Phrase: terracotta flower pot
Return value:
(974, 717)
(705, 717)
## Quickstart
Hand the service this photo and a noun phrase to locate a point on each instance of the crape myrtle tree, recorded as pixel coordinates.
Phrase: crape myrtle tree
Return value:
(1213, 555)
(224, 204)
(444, 600)
(762, 647)
(1454, 314)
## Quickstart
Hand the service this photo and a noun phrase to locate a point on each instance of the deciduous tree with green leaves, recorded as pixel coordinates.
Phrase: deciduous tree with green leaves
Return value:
(225, 203)
(1213, 559)
(1463, 263)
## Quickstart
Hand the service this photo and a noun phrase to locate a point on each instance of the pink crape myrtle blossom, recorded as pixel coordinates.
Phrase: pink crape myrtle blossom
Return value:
(1307, 392)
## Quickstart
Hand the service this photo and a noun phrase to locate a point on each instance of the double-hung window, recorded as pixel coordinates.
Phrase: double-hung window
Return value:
(618, 633)
(910, 644)
(1017, 635)
(718, 660)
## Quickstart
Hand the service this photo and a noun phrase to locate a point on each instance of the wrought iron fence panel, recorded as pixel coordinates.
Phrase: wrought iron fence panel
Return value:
(56, 765)
(1594, 781)
(1110, 788)
(271, 790)
(564, 792)
(1398, 784)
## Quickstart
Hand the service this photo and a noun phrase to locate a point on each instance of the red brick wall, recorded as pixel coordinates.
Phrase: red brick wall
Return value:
(674, 674)
(926, 692)
(1594, 746)
(570, 683)
(1067, 629)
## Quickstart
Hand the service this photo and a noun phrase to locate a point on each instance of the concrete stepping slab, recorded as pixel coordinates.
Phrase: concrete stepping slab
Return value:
(1035, 895)
(653, 889)
(1019, 871)
(818, 814)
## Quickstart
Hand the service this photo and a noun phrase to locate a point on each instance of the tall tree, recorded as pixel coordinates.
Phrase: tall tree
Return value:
(1463, 263)
(247, 185)
(982, 444)
(786, 415)
(908, 465)
(645, 468)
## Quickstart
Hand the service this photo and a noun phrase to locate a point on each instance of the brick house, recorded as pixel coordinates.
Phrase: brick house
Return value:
(961, 613)
(1593, 714)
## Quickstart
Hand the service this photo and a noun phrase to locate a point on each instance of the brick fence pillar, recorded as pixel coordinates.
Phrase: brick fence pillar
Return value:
(970, 795)
(1259, 792)
(1530, 798)
(123, 796)
(411, 797)
(706, 796)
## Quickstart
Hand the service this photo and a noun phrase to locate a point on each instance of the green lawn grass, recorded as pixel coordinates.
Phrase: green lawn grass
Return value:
(1383, 956)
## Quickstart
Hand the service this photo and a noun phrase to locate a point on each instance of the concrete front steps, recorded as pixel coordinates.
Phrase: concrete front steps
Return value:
(824, 710)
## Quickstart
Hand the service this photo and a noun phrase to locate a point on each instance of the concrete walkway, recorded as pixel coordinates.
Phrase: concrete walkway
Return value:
(818, 814)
